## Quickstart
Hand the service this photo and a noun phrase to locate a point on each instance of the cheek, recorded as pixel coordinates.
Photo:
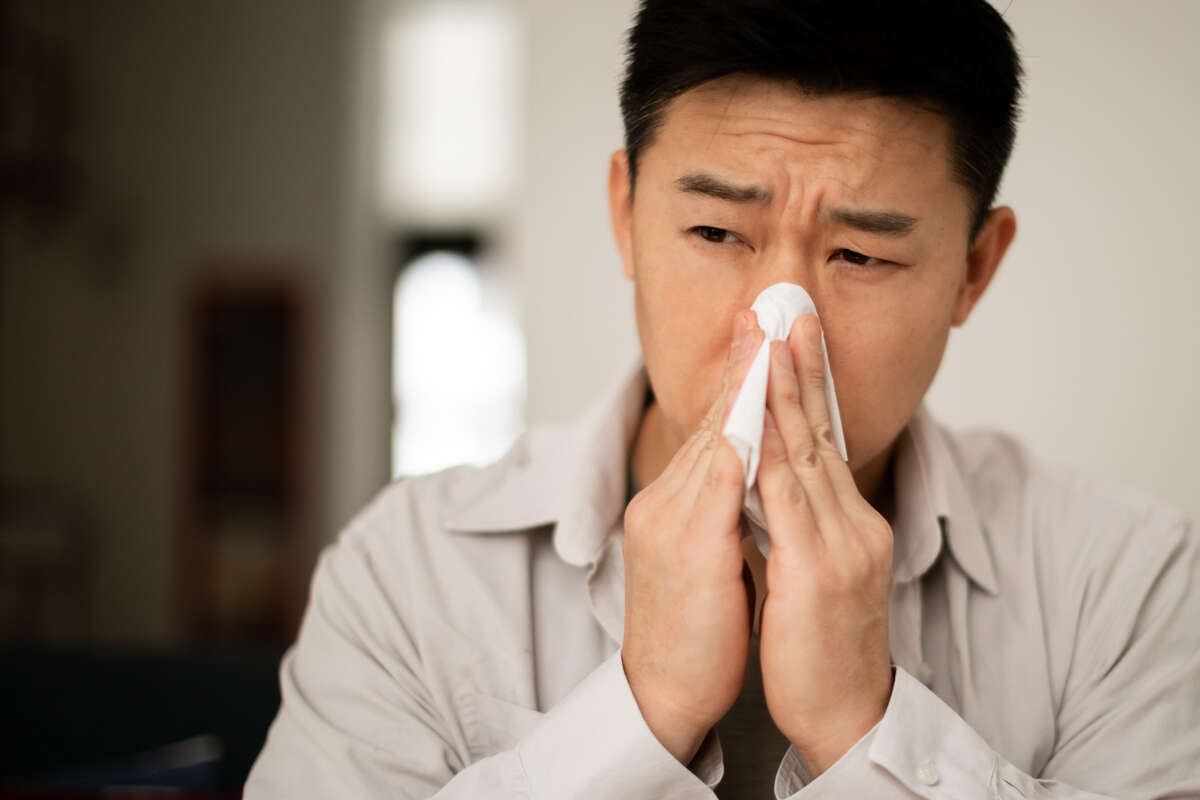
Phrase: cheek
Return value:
(684, 325)
(882, 367)
(684, 347)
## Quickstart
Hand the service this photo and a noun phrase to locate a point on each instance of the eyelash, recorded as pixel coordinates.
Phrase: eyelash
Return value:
(856, 265)
(700, 230)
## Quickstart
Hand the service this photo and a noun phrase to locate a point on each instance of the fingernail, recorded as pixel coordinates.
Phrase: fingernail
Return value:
(812, 333)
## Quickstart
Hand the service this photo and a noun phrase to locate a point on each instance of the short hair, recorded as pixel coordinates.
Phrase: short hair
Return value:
(954, 57)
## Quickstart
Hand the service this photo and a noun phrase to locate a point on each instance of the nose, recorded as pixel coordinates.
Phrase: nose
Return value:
(791, 262)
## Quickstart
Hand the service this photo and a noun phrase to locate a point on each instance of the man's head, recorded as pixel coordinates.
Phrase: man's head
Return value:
(851, 147)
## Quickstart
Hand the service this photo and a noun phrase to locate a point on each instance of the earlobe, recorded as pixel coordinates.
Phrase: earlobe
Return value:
(620, 208)
(983, 259)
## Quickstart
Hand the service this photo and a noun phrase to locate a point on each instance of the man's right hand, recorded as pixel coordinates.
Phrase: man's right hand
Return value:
(688, 606)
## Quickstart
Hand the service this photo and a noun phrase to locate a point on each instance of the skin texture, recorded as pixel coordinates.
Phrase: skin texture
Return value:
(826, 669)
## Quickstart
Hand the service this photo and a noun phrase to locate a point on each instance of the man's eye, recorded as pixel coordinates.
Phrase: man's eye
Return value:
(715, 235)
(858, 259)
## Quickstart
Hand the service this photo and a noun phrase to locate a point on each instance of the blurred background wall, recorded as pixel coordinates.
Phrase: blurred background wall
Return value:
(201, 140)
(1086, 345)
(215, 215)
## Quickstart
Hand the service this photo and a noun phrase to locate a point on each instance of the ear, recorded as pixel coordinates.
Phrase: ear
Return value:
(620, 208)
(987, 250)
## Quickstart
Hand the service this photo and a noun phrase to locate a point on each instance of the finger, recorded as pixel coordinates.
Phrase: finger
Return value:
(808, 350)
(747, 337)
(684, 462)
(788, 508)
(783, 401)
(716, 494)
(804, 341)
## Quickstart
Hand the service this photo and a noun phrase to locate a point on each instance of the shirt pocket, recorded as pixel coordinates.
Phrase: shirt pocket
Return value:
(495, 725)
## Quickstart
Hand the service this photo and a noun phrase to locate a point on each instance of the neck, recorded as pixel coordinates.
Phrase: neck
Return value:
(653, 446)
(655, 443)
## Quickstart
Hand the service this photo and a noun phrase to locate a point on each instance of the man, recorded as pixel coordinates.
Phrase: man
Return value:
(940, 615)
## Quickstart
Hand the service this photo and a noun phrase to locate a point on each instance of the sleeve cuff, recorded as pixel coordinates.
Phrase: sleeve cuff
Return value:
(595, 743)
(921, 747)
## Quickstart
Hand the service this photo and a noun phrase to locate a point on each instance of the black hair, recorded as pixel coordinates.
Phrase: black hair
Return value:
(954, 57)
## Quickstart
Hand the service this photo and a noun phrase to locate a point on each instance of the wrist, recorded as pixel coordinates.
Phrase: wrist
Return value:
(822, 754)
(821, 744)
(680, 738)
(682, 743)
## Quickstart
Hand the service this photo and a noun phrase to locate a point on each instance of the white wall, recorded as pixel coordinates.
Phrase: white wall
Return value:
(1085, 345)
(578, 307)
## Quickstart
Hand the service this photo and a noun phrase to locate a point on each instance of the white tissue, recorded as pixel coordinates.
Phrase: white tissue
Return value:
(776, 307)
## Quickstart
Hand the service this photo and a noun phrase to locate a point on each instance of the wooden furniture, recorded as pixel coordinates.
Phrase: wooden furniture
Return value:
(245, 547)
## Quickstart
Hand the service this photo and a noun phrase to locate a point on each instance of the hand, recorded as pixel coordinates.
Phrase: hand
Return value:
(826, 667)
(687, 604)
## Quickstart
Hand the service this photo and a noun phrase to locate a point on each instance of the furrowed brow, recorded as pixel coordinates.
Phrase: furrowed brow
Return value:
(881, 223)
(712, 186)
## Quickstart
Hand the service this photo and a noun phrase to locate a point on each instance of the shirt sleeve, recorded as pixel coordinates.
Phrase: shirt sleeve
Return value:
(1129, 724)
(357, 721)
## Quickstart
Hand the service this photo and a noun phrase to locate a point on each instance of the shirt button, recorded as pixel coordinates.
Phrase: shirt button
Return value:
(927, 773)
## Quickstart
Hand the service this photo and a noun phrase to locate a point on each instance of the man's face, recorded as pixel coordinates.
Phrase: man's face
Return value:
(852, 198)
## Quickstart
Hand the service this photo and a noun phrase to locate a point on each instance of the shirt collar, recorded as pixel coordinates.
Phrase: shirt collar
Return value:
(933, 504)
(574, 477)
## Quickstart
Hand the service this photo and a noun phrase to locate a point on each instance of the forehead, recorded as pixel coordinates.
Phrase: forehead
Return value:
(770, 130)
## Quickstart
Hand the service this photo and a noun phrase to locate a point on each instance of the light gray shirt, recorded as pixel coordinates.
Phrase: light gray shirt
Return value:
(463, 637)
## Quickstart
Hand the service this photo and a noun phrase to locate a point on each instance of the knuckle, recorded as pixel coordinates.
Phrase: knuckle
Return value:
(880, 540)
(783, 488)
(876, 529)
(636, 512)
(824, 433)
(790, 393)
(867, 559)
(856, 566)
(802, 454)
(725, 470)
(644, 512)
(793, 493)
(773, 453)
(814, 376)
(700, 439)
(779, 486)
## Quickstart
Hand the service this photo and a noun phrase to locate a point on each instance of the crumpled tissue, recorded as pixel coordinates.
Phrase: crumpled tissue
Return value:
(776, 307)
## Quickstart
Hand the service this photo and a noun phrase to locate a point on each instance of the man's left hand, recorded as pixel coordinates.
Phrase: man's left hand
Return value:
(826, 668)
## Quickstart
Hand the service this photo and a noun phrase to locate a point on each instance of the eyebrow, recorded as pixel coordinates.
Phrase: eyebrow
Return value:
(878, 222)
(712, 186)
(881, 223)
